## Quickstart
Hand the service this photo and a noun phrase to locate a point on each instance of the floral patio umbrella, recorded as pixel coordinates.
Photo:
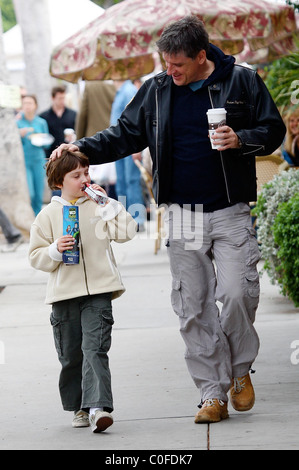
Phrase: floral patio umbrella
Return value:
(275, 50)
(121, 42)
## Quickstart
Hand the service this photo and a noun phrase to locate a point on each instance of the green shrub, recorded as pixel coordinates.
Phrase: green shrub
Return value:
(282, 76)
(286, 236)
(281, 189)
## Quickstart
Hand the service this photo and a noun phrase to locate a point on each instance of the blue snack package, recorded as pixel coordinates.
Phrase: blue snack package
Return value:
(71, 227)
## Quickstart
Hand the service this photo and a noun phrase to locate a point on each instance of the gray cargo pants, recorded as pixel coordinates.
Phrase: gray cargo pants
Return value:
(219, 265)
(82, 332)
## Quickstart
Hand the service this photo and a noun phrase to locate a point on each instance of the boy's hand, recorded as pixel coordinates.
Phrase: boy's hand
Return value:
(98, 188)
(65, 243)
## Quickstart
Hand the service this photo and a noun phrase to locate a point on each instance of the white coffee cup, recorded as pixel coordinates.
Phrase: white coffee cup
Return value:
(69, 135)
(216, 118)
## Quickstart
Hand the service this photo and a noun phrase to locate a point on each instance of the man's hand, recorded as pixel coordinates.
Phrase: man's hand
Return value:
(98, 188)
(57, 152)
(226, 138)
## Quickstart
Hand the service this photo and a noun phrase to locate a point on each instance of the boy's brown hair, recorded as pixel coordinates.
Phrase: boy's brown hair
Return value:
(58, 168)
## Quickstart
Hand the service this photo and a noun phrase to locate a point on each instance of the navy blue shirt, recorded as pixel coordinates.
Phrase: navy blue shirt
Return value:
(197, 176)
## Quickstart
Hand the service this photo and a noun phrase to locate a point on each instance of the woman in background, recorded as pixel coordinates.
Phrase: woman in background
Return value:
(290, 151)
(29, 124)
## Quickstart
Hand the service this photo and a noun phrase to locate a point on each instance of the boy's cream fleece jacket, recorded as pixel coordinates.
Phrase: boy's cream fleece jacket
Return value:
(96, 272)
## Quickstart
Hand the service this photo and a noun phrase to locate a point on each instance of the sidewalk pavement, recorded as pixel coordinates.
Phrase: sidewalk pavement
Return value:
(154, 396)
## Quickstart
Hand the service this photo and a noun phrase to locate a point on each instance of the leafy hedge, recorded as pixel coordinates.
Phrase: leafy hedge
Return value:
(282, 79)
(286, 236)
(278, 231)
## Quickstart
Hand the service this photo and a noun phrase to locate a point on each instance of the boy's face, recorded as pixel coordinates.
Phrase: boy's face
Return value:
(74, 183)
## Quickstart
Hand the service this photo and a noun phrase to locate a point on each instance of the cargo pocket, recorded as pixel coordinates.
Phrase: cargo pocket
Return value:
(176, 298)
(56, 325)
(251, 274)
(106, 319)
(253, 284)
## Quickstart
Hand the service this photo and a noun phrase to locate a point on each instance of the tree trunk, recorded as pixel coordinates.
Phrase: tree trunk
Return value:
(33, 18)
(14, 196)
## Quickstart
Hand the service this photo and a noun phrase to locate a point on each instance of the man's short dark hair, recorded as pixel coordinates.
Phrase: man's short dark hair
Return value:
(58, 89)
(187, 35)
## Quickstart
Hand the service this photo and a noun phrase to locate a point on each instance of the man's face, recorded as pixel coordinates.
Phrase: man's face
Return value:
(59, 100)
(183, 69)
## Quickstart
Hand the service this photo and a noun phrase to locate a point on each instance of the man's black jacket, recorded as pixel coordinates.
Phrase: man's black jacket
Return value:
(146, 122)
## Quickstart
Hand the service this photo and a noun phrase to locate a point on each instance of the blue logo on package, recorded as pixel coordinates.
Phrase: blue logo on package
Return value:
(71, 227)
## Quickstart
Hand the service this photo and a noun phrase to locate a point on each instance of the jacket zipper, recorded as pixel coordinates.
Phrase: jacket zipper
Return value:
(221, 156)
(157, 135)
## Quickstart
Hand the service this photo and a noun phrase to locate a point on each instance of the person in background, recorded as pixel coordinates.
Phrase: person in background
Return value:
(13, 236)
(59, 117)
(93, 115)
(95, 108)
(290, 147)
(128, 179)
(29, 124)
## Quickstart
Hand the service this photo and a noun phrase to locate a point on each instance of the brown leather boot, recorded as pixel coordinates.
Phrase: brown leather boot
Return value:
(242, 393)
(212, 411)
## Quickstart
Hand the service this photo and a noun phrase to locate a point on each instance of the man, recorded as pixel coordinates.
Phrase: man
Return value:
(59, 117)
(210, 189)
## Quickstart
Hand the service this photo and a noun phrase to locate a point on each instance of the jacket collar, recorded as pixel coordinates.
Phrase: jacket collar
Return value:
(67, 203)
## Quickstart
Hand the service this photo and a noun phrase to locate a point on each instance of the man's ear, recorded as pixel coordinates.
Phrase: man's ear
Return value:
(201, 57)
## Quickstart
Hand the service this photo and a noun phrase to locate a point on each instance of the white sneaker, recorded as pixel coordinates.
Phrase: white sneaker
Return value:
(100, 420)
(81, 419)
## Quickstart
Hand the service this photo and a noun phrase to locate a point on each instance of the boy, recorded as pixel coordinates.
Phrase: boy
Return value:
(81, 293)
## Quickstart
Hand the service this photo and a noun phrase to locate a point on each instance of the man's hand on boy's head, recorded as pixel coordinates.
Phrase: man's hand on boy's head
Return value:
(57, 152)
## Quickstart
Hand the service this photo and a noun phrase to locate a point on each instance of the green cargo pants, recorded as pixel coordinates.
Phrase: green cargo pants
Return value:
(82, 332)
